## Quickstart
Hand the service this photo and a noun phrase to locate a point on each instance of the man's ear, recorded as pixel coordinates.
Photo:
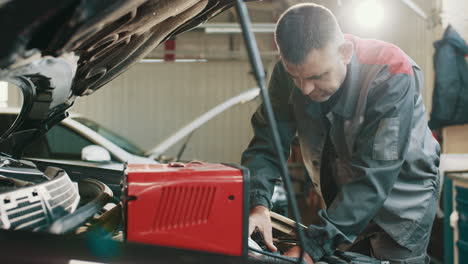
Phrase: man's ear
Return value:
(347, 51)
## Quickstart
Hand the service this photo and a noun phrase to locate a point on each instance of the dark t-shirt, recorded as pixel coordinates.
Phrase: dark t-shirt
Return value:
(327, 184)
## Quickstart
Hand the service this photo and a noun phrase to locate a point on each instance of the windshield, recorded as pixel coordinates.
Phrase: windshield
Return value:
(111, 136)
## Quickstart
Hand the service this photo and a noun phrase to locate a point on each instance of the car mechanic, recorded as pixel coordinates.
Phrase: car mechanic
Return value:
(356, 106)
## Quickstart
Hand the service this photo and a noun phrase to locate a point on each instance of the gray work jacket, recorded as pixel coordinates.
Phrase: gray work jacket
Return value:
(387, 165)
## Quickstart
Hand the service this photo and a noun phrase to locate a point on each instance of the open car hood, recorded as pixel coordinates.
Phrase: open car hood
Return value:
(57, 50)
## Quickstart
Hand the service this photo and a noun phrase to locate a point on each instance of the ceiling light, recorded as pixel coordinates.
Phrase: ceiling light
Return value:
(369, 13)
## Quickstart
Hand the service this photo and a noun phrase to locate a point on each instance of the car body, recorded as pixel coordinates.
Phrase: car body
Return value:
(65, 142)
(56, 52)
(82, 141)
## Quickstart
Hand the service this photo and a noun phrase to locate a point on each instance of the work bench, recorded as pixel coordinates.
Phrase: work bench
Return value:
(454, 175)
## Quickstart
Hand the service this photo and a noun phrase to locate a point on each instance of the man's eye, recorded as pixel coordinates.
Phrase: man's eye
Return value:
(318, 77)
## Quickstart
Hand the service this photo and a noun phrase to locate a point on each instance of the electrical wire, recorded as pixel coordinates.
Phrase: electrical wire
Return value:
(266, 253)
(184, 146)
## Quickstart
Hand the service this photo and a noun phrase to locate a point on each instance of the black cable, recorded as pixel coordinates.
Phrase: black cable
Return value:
(182, 149)
(266, 253)
(257, 66)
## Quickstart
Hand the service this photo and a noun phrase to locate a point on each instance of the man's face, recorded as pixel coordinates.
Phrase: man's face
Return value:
(322, 72)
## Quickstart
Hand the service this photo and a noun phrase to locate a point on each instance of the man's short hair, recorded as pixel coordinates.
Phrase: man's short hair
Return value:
(302, 28)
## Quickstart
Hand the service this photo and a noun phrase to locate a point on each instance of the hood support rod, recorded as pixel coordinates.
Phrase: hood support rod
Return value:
(257, 67)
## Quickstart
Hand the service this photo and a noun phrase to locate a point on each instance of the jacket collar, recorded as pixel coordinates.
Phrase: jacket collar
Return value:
(346, 103)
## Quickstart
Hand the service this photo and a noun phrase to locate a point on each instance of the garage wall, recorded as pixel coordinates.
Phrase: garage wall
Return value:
(152, 100)
(15, 98)
(403, 27)
(454, 13)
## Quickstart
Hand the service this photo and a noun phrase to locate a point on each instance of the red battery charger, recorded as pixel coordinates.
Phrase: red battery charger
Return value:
(192, 206)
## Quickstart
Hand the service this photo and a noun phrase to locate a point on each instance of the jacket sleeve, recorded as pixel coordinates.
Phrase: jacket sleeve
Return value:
(260, 157)
(378, 155)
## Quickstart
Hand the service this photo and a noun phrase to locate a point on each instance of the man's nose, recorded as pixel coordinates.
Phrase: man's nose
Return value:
(307, 87)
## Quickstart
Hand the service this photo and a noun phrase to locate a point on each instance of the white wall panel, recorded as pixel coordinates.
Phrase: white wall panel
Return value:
(15, 98)
(454, 13)
(152, 100)
(404, 28)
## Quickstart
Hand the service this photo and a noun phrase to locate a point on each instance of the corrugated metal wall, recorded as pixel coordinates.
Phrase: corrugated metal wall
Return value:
(15, 98)
(415, 36)
(403, 27)
(454, 13)
(152, 100)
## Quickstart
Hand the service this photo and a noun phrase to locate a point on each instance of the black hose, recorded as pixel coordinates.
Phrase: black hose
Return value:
(184, 146)
(275, 256)
(99, 195)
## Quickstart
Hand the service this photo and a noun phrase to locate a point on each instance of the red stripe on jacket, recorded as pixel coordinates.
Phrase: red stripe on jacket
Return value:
(376, 52)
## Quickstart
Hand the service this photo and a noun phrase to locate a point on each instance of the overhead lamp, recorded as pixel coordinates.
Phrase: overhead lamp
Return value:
(369, 13)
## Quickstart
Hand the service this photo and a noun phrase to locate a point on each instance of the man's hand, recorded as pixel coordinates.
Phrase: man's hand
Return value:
(295, 251)
(260, 217)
